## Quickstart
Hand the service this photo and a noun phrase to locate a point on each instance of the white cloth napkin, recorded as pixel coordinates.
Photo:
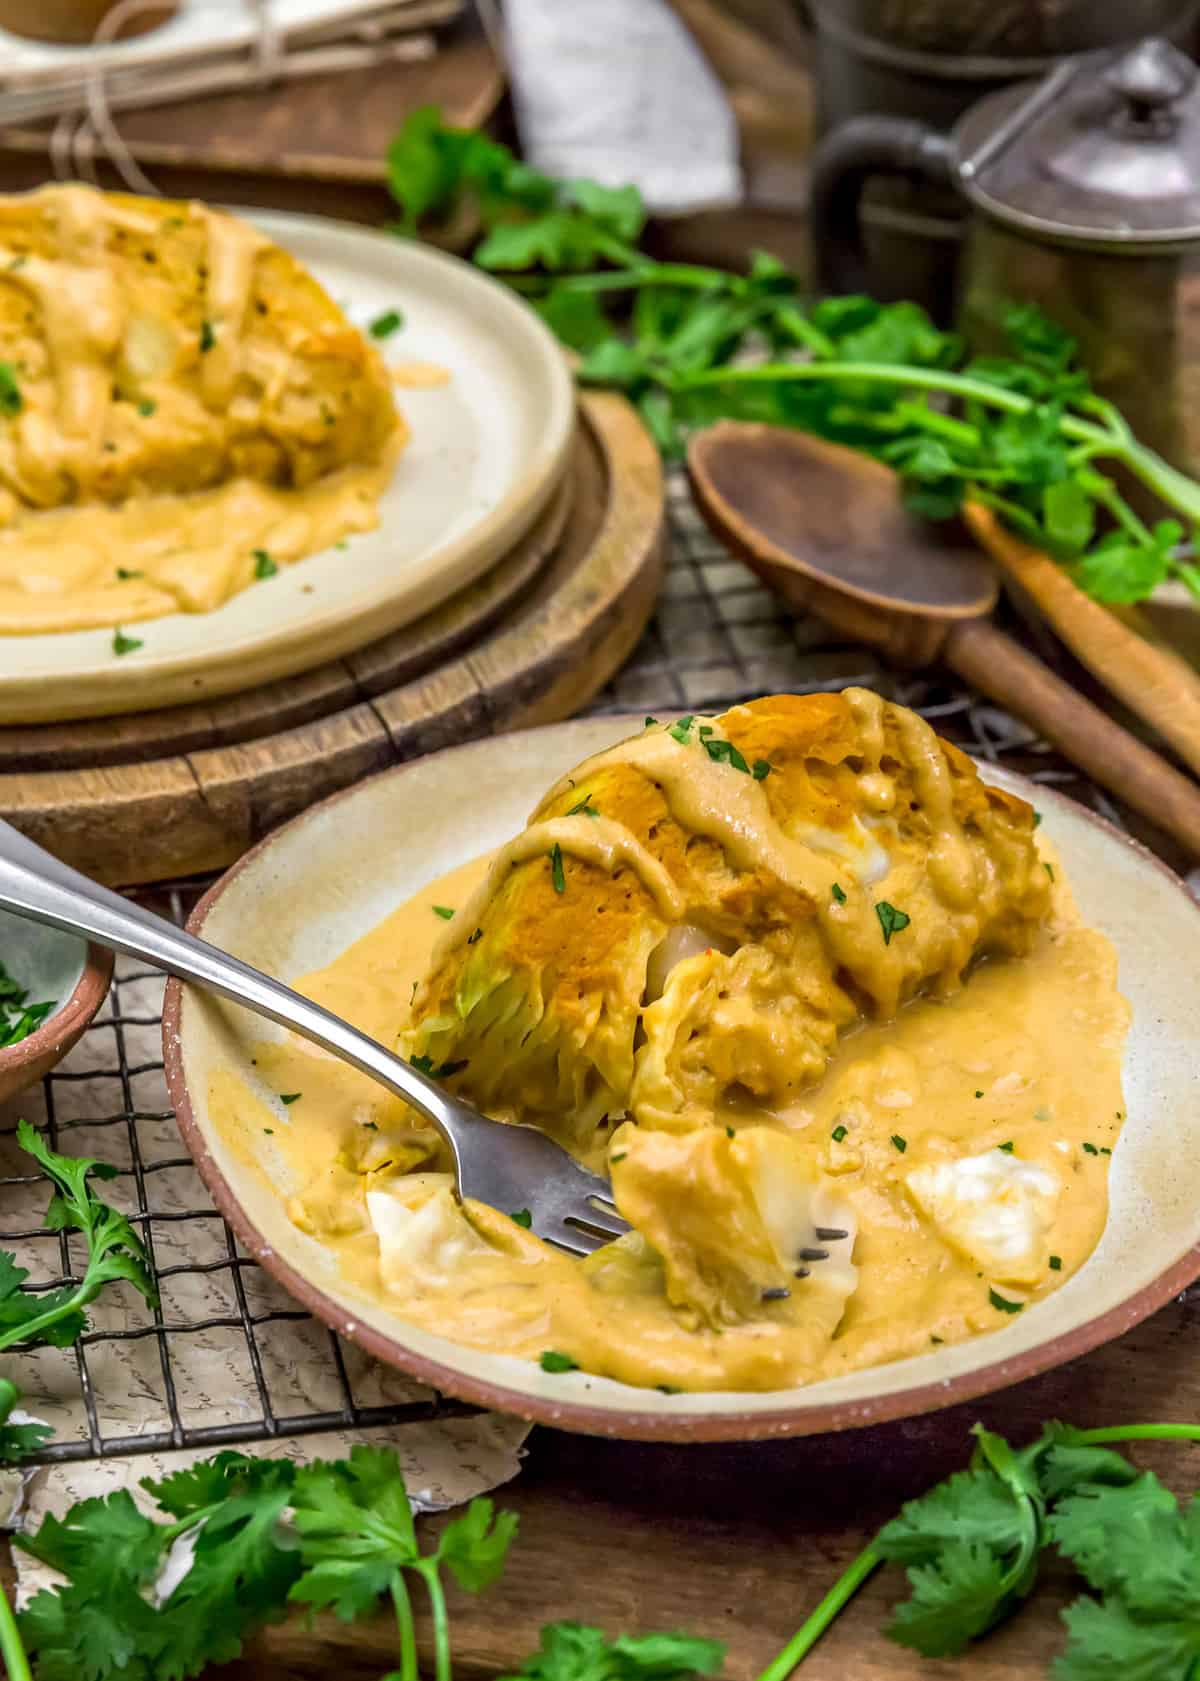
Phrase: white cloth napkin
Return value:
(617, 90)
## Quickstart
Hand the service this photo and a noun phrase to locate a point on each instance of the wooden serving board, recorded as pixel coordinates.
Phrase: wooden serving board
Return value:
(176, 794)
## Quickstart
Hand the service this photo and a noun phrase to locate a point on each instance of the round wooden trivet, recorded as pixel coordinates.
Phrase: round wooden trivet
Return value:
(195, 811)
(292, 701)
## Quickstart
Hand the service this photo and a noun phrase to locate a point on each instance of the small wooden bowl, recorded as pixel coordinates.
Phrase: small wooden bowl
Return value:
(50, 964)
(73, 23)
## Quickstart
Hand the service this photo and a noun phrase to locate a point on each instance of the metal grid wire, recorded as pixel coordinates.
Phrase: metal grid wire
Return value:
(718, 636)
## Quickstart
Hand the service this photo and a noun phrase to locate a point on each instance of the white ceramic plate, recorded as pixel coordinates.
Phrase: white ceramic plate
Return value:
(486, 453)
(322, 881)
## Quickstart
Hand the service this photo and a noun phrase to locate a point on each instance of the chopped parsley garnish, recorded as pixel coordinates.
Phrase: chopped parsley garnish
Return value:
(583, 809)
(556, 869)
(682, 729)
(207, 337)
(838, 893)
(553, 1361)
(1037, 818)
(1049, 869)
(667, 1389)
(290, 1097)
(444, 911)
(386, 324)
(900, 1143)
(1056, 1263)
(761, 769)
(890, 920)
(1002, 1303)
(978, 1094)
(122, 644)
(838, 1133)
(264, 566)
(938, 1340)
(1091, 1150)
(706, 729)
(521, 1217)
(725, 753)
(477, 935)
(1104, 1150)
(443, 1071)
(1007, 1147)
(11, 401)
(619, 1157)
(650, 722)
(147, 407)
(729, 1132)
(270, 1131)
(124, 574)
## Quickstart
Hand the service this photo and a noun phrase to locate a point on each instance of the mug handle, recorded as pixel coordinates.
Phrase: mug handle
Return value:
(848, 157)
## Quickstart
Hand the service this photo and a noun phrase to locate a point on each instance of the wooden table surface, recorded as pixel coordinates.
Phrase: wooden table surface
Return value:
(739, 1543)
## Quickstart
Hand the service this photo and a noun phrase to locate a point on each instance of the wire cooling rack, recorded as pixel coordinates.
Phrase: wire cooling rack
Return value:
(142, 1380)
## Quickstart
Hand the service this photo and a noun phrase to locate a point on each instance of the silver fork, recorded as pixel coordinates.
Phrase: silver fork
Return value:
(513, 1168)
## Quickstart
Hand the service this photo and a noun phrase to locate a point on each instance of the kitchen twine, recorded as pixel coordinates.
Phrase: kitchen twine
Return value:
(77, 142)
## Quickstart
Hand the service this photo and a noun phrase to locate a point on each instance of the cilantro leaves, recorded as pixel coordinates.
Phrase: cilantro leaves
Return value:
(114, 1251)
(1022, 434)
(575, 1652)
(19, 1018)
(257, 1536)
(972, 1546)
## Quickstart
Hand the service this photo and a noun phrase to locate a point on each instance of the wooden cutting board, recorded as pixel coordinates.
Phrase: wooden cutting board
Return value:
(176, 794)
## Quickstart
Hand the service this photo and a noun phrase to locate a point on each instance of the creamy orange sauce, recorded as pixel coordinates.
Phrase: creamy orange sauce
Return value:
(109, 383)
(1024, 1060)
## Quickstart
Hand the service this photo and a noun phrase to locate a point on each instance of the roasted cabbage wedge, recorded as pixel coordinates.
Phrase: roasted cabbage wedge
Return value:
(680, 936)
(151, 346)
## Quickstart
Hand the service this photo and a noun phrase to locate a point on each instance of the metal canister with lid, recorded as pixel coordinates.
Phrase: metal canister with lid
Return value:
(1084, 197)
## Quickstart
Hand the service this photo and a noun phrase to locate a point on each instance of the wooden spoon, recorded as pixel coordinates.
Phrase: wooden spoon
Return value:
(1154, 682)
(826, 529)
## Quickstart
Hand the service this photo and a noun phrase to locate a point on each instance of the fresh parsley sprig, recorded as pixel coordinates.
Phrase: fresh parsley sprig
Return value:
(1022, 434)
(114, 1251)
(18, 1017)
(972, 1546)
(264, 1535)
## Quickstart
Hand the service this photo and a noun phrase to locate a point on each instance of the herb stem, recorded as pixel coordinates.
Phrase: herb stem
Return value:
(684, 275)
(408, 1635)
(441, 1624)
(1137, 1433)
(16, 1663)
(35, 1327)
(811, 1630)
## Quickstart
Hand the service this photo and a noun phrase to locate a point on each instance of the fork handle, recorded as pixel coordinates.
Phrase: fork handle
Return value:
(36, 885)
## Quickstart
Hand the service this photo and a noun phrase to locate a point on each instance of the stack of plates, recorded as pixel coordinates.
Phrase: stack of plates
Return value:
(489, 450)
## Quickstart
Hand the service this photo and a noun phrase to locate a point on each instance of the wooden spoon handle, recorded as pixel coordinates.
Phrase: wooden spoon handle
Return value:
(996, 665)
(1157, 685)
